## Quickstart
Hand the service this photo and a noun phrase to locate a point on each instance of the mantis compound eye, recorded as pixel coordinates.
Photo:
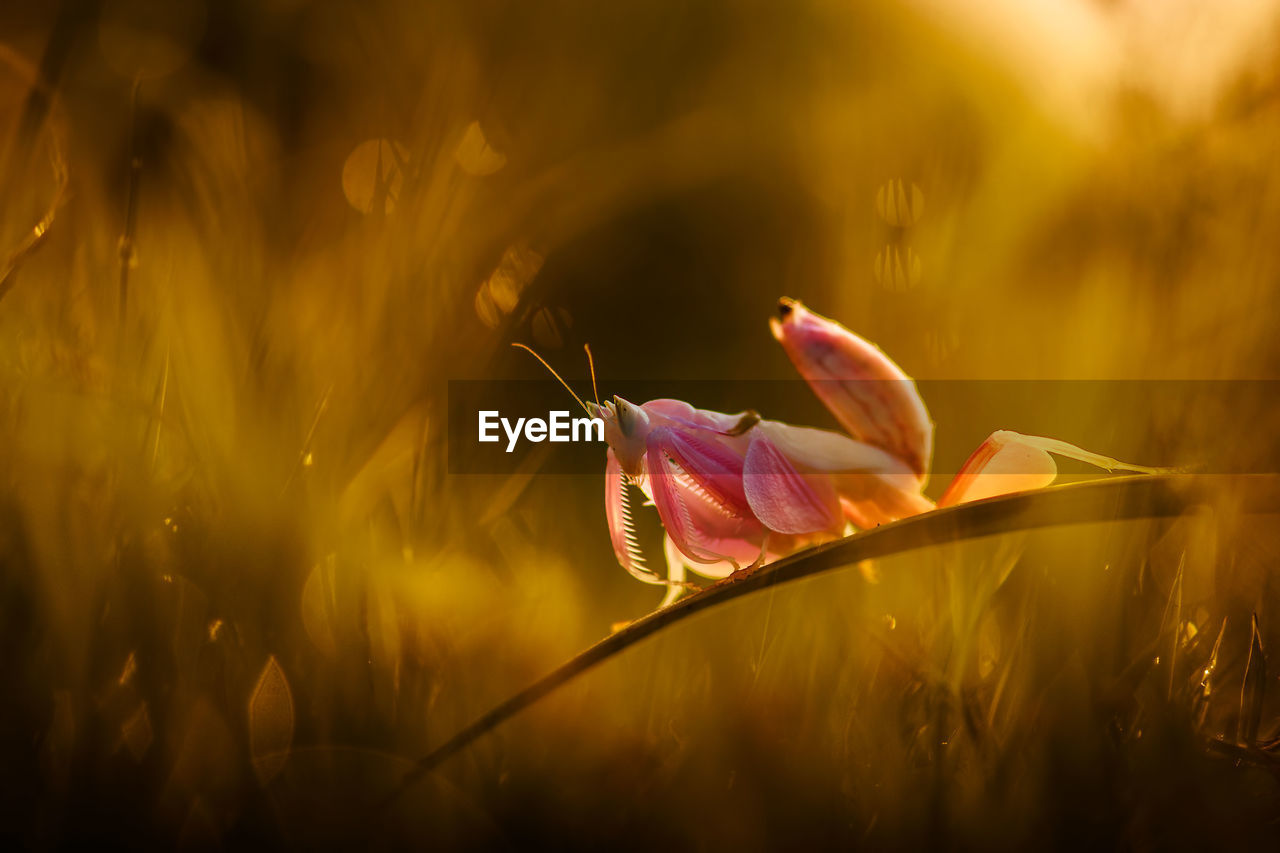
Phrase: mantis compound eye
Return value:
(626, 417)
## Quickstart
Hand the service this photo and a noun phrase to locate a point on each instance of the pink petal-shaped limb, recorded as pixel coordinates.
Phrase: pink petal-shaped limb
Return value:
(784, 499)
(696, 486)
(999, 467)
(1012, 462)
(873, 485)
(622, 531)
(870, 395)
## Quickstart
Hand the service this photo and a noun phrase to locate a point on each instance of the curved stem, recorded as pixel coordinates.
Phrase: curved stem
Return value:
(1113, 499)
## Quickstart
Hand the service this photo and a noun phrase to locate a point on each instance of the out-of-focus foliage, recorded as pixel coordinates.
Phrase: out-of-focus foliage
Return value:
(244, 245)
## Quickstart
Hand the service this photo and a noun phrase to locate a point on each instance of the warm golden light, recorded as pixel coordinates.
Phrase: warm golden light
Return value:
(257, 588)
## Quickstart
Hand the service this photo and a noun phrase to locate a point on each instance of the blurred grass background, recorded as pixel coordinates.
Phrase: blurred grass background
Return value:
(241, 593)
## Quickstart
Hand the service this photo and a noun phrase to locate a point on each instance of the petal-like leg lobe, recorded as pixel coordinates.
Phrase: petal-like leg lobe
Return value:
(696, 486)
(1002, 465)
(867, 392)
(784, 499)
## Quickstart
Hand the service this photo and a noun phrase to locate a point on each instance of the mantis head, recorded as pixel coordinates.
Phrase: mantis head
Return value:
(626, 429)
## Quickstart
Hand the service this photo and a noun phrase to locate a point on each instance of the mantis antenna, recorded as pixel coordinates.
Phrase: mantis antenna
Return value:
(591, 363)
(553, 373)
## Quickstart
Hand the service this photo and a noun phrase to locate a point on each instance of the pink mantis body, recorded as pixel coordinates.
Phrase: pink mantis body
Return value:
(736, 491)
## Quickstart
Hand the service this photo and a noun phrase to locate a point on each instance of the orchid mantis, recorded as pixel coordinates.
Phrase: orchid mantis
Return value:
(734, 492)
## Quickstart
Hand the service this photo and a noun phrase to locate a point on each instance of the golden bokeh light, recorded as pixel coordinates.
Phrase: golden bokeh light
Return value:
(373, 175)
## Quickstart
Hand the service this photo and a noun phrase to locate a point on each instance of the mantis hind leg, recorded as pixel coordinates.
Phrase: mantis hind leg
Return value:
(1010, 462)
(739, 574)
